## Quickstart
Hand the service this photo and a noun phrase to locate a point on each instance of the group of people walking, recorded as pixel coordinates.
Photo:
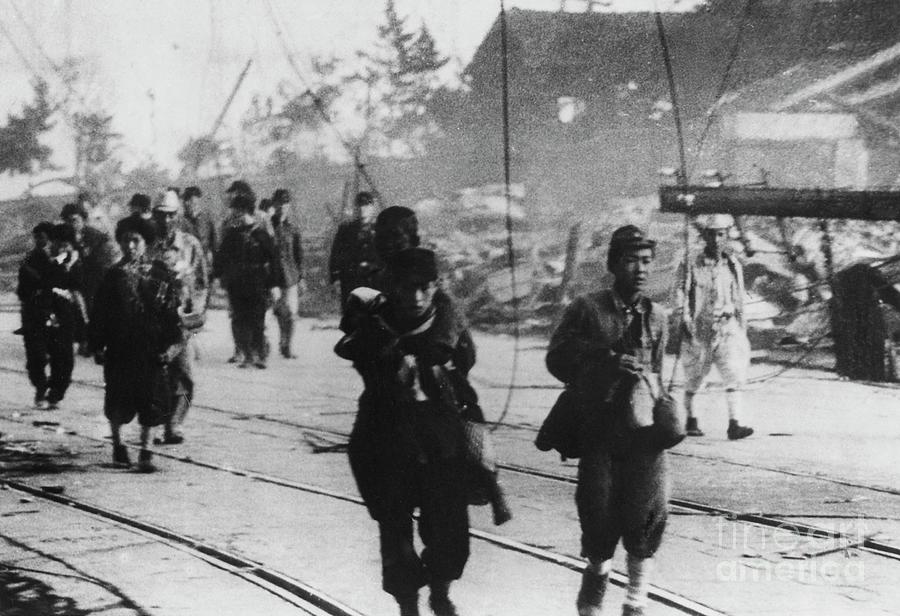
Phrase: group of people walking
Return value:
(408, 448)
(418, 417)
(134, 305)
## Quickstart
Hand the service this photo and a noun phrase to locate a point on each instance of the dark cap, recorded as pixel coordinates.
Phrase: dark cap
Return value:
(239, 186)
(43, 227)
(363, 198)
(190, 192)
(625, 238)
(139, 201)
(282, 195)
(135, 224)
(73, 208)
(414, 264)
(63, 233)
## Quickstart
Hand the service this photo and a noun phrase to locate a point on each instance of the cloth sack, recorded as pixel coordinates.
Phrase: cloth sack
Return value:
(669, 418)
(562, 426)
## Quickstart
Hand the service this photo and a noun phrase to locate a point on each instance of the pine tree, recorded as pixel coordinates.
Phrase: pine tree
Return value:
(20, 148)
(401, 76)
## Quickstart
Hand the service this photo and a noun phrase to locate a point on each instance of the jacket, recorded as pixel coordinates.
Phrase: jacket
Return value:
(583, 354)
(290, 251)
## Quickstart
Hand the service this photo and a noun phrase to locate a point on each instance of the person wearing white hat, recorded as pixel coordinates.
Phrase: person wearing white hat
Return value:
(710, 297)
(184, 255)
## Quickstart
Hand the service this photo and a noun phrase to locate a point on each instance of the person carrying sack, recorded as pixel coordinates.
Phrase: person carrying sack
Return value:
(608, 349)
(408, 444)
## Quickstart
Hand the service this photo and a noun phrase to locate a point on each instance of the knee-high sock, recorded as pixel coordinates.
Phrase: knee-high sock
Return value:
(599, 567)
(734, 398)
(638, 572)
(689, 403)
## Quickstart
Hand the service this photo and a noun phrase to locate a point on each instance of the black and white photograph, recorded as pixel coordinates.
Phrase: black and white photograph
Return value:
(450, 307)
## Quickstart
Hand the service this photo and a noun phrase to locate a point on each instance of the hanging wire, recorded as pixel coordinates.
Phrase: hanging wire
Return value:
(723, 83)
(22, 57)
(317, 102)
(510, 248)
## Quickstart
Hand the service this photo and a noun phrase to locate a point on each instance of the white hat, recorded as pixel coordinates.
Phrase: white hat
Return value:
(169, 202)
(715, 221)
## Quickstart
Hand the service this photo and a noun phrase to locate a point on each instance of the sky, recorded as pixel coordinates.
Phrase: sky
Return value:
(164, 68)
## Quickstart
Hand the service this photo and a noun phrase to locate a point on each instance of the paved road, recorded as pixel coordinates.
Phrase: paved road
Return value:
(833, 465)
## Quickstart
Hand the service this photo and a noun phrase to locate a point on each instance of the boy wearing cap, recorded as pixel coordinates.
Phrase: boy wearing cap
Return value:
(50, 280)
(290, 257)
(197, 221)
(183, 254)
(135, 331)
(353, 255)
(96, 251)
(247, 264)
(710, 298)
(606, 342)
(406, 448)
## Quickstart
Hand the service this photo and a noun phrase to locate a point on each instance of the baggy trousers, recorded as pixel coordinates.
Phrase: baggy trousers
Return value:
(440, 493)
(723, 344)
(53, 345)
(248, 323)
(621, 497)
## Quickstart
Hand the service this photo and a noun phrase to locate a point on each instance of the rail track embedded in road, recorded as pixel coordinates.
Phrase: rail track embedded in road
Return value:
(303, 596)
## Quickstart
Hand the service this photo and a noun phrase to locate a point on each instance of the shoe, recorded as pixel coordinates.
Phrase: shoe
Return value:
(692, 428)
(440, 602)
(286, 353)
(235, 359)
(52, 405)
(145, 462)
(590, 596)
(736, 431)
(40, 401)
(169, 439)
(120, 456)
(260, 363)
(246, 363)
(632, 610)
(409, 606)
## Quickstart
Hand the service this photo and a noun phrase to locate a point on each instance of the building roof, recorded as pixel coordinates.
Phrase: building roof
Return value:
(591, 54)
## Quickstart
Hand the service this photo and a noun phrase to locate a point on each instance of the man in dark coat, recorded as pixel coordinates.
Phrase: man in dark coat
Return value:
(96, 251)
(407, 448)
(197, 221)
(136, 332)
(353, 256)
(290, 258)
(50, 280)
(604, 346)
(247, 265)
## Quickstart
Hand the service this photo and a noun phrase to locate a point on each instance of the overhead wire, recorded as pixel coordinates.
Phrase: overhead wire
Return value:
(318, 104)
(21, 55)
(56, 68)
(723, 83)
(510, 247)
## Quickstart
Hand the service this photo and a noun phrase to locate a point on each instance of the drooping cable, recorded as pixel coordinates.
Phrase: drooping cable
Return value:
(510, 247)
(318, 104)
(723, 82)
(682, 171)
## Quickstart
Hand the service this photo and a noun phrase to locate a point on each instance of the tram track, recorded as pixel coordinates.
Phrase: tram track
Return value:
(244, 567)
(572, 563)
(754, 518)
(306, 598)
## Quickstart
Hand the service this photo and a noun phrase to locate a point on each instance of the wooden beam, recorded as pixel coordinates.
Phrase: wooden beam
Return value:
(781, 202)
